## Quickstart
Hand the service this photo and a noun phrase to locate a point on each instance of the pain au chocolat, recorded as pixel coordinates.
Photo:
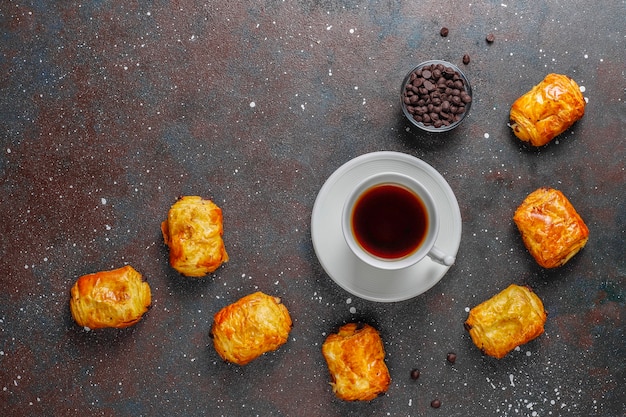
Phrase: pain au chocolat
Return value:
(552, 230)
(547, 110)
(356, 360)
(253, 325)
(116, 298)
(508, 319)
(193, 232)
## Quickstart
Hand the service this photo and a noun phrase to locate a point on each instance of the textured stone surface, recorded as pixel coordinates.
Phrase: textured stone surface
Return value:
(110, 110)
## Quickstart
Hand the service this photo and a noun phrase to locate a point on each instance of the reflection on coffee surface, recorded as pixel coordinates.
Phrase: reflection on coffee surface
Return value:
(389, 221)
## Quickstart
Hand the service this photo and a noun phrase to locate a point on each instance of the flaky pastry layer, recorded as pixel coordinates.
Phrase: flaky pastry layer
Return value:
(356, 360)
(547, 110)
(193, 232)
(552, 230)
(253, 325)
(509, 319)
(116, 298)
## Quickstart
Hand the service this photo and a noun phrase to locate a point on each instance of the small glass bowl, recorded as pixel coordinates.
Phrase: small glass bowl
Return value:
(409, 110)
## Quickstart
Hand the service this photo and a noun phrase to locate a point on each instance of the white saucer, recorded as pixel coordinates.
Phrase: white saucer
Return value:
(344, 267)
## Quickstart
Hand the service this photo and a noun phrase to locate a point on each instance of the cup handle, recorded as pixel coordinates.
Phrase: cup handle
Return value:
(440, 257)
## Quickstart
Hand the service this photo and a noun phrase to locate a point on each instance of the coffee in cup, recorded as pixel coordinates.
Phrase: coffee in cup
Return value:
(390, 222)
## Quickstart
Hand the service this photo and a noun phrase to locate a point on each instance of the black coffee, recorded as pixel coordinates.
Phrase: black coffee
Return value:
(389, 221)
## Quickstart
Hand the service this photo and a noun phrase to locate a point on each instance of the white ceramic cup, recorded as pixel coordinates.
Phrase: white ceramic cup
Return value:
(416, 249)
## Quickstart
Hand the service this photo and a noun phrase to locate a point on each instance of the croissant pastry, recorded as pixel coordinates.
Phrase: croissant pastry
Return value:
(116, 298)
(552, 230)
(508, 319)
(248, 328)
(193, 231)
(547, 110)
(356, 360)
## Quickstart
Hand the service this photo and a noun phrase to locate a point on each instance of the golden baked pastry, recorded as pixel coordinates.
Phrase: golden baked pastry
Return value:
(193, 231)
(253, 325)
(551, 228)
(356, 360)
(547, 110)
(508, 319)
(116, 298)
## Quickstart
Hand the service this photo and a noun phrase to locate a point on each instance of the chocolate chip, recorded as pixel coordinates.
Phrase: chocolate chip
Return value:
(429, 86)
(490, 38)
(415, 373)
(435, 403)
(444, 32)
(466, 59)
(451, 357)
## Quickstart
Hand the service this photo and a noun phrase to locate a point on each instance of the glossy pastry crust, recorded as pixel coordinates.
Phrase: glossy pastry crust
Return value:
(193, 231)
(116, 298)
(508, 319)
(253, 325)
(356, 360)
(547, 110)
(552, 230)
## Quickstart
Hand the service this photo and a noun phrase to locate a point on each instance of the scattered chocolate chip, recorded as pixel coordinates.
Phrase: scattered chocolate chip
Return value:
(451, 357)
(490, 38)
(466, 59)
(444, 32)
(435, 403)
(415, 373)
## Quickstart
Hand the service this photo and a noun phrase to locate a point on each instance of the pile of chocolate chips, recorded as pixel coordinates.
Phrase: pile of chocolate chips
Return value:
(435, 95)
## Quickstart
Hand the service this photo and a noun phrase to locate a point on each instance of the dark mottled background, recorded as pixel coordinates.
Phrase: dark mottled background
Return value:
(110, 110)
